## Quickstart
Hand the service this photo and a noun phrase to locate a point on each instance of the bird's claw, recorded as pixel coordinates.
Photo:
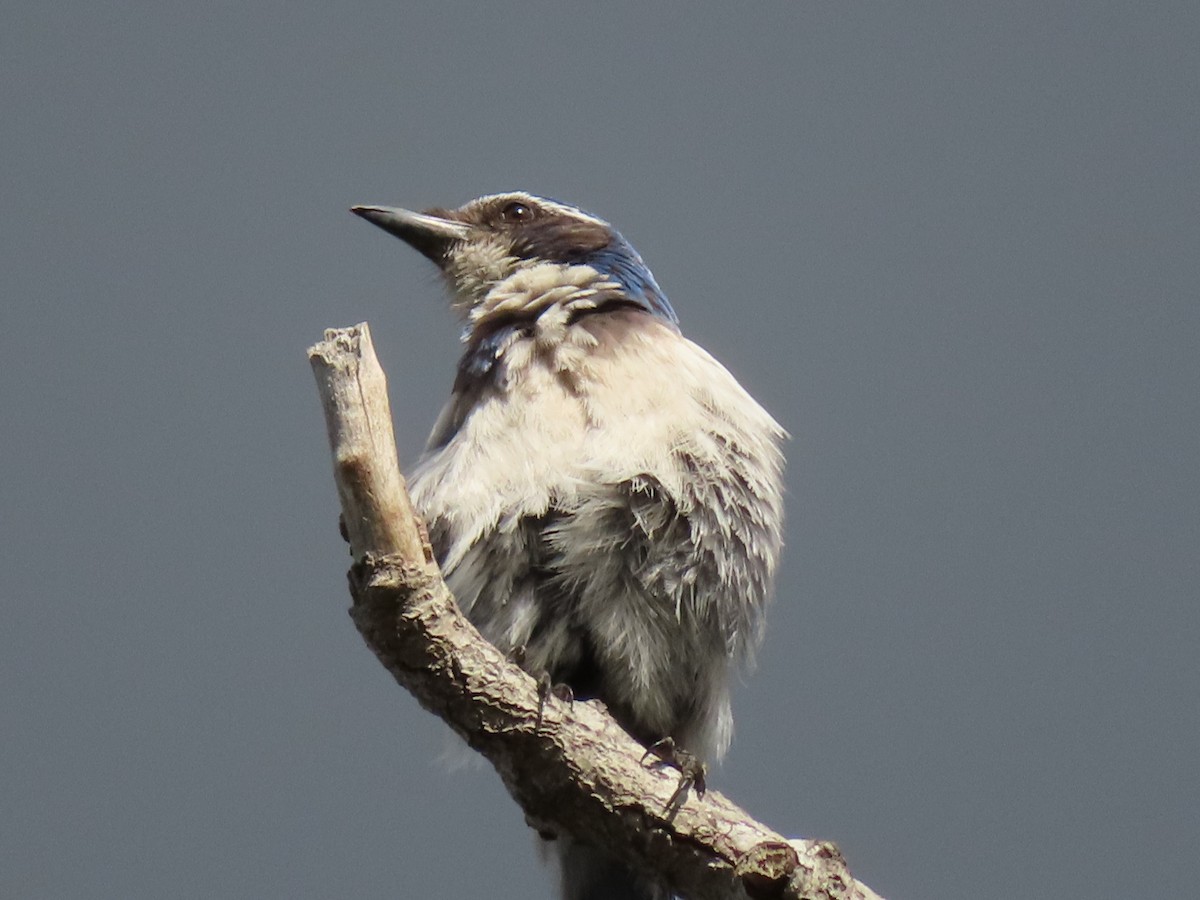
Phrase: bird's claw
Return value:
(692, 771)
(545, 684)
(547, 688)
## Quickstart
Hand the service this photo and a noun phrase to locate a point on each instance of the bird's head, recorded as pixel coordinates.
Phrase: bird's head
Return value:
(505, 250)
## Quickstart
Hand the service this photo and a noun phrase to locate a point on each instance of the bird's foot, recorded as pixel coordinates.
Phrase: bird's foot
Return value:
(545, 684)
(692, 770)
(547, 688)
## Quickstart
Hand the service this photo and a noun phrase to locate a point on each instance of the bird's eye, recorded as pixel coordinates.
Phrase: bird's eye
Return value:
(516, 212)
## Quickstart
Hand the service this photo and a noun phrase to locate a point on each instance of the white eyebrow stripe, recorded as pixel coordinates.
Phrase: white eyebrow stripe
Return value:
(551, 205)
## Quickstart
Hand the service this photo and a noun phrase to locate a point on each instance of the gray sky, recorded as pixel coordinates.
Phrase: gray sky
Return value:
(953, 247)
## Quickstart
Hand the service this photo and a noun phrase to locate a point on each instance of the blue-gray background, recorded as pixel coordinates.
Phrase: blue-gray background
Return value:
(953, 247)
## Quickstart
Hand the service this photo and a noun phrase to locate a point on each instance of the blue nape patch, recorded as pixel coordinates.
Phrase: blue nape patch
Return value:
(623, 264)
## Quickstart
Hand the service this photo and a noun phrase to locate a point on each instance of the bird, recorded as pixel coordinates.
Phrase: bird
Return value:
(602, 495)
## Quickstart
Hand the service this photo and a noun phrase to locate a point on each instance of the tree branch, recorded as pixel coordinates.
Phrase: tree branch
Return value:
(571, 768)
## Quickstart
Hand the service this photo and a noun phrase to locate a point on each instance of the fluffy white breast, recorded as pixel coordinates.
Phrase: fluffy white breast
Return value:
(611, 398)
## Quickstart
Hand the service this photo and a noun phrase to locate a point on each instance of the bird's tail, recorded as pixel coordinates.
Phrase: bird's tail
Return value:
(589, 874)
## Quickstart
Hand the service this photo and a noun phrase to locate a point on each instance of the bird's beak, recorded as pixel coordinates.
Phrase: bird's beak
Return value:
(430, 236)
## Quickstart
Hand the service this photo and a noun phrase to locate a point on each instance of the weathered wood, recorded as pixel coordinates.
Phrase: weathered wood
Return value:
(376, 511)
(570, 766)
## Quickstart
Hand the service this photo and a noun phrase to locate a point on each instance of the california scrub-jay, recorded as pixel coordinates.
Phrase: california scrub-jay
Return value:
(599, 490)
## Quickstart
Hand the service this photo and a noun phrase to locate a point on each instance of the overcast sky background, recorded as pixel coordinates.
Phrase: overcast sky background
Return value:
(953, 247)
